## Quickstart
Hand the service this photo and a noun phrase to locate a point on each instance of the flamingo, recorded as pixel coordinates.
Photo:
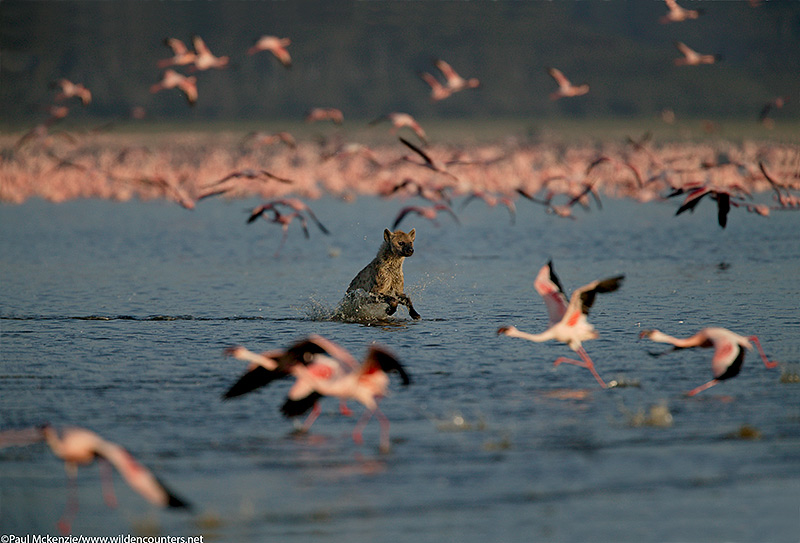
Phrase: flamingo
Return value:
(568, 322)
(429, 162)
(426, 212)
(79, 446)
(723, 196)
(218, 187)
(692, 57)
(438, 91)
(295, 204)
(205, 59)
(454, 82)
(325, 114)
(402, 120)
(677, 14)
(268, 366)
(728, 351)
(432, 194)
(171, 79)
(275, 45)
(786, 200)
(565, 88)
(323, 368)
(68, 90)
(181, 55)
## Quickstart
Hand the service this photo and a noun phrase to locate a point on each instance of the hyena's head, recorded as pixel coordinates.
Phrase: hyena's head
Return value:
(399, 243)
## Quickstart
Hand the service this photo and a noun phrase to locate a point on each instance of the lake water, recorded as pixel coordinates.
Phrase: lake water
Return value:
(114, 317)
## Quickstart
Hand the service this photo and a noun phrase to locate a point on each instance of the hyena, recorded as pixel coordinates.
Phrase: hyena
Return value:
(382, 278)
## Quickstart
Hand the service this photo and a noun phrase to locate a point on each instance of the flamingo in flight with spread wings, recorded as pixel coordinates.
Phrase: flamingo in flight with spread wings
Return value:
(565, 87)
(323, 368)
(79, 446)
(568, 322)
(275, 45)
(729, 351)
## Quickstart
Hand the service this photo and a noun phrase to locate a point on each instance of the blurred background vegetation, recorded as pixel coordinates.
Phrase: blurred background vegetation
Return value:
(363, 57)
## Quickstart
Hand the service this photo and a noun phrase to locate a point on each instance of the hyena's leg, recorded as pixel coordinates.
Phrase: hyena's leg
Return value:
(406, 301)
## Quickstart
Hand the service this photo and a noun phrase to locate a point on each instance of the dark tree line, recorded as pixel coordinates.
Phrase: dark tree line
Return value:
(363, 57)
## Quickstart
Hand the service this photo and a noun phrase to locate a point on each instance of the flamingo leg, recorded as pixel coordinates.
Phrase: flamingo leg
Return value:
(107, 480)
(359, 429)
(768, 363)
(384, 421)
(703, 387)
(585, 363)
(311, 418)
(71, 510)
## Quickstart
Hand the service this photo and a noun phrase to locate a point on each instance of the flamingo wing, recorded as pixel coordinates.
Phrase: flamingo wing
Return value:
(380, 358)
(137, 476)
(692, 199)
(728, 357)
(253, 379)
(549, 288)
(583, 297)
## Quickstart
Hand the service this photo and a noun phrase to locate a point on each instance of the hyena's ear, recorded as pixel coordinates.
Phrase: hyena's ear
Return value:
(412, 233)
(387, 235)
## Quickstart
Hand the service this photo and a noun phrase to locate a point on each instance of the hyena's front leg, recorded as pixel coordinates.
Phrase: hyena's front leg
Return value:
(406, 301)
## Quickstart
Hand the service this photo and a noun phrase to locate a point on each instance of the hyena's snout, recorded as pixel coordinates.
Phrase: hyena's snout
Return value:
(408, 250)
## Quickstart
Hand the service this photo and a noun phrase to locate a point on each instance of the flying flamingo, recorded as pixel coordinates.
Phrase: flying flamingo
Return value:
(68, 90)
(565, 88)
(677, 14)
(205, 59)
(568, 322)
(171, 79)
(728, 351)
(454, 82)
(323, 368)
(262, 138)
(275, 45)
(426, 212)
(268, 366)
(723, 196)
(692, 57)
(786, 200)
(402, 120)
(438, 91)
(429, 162)
(284, 219)
(222, 186)
(79, 446)
(181, 55)
(294, 203)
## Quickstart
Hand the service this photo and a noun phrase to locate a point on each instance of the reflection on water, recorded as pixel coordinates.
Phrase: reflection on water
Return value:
(115, 316)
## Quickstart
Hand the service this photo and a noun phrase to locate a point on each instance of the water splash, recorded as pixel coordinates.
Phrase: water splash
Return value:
(356, 306)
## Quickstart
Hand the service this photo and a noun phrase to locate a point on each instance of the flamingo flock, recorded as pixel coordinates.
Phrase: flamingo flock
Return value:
(559, 179)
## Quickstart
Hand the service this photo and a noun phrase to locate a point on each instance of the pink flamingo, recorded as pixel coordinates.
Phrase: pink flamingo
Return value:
(723, 196)
(262, 138)
(565, 88)
(438, 91)
(171, 79)
(677, 14)
(295, 204)
(432, 194)
(454, 82)
(79, 446)
(692, 57)
(323, 368)
(283, 219)
(568, 322)
(205, 59)
(402, 120)
(275, 45)
(426, 212)
(68, 90)
(428, 162)
(181, 56)
(728, 351)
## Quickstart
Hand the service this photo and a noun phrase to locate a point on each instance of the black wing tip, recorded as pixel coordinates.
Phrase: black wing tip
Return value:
(295, 408)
